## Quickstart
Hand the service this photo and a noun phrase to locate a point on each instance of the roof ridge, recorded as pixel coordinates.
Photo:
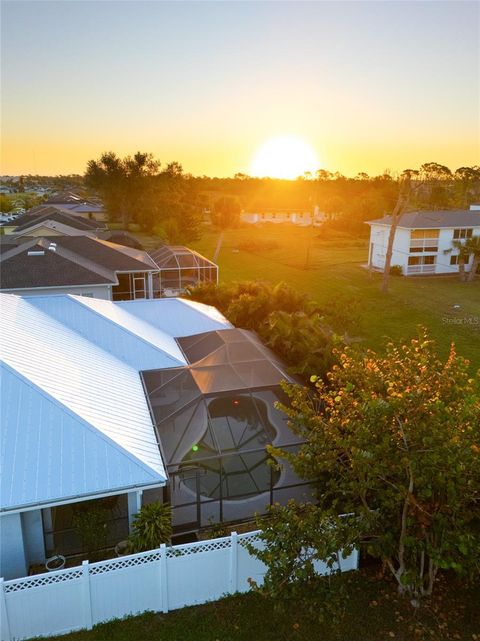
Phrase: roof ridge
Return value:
(86, 305)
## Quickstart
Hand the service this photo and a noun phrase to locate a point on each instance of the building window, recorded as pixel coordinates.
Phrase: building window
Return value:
(459, 234)
(453, 260)
(424, 240)
(421, 264)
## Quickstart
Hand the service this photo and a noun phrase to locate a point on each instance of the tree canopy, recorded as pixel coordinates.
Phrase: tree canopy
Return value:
(137, 190)
(394, 441)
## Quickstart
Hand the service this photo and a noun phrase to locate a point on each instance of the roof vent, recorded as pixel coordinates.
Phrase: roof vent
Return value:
(52, 247)
(36, 252)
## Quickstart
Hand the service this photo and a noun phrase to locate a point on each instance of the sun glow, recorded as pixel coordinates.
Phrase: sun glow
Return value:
(284, 157)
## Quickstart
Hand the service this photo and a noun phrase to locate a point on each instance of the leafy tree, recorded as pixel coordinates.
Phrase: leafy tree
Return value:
(226, 212)
(5, 204)
(468, 181)
(121, 181)
(395, 440)
(135, 189)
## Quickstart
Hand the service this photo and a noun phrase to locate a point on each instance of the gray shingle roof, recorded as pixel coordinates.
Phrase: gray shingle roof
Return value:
(52, 213)
(434, 219)
(77, 260)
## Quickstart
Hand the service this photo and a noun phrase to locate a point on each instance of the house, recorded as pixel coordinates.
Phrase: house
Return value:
(295, 216)
(81, 265)
(423, 240)
(52, 221)
(78, 258)
(113, 405)
(76, 204)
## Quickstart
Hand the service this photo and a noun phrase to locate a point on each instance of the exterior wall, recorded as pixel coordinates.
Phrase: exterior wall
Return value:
(32, 528)
(12, 553)
(378, 247)
(94, 291)
(293, 217)
(401, 250)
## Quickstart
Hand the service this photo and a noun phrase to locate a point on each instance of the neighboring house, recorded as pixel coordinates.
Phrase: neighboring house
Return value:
(49, 221)
(77, 265)
(423, 240)
(80, 206)
(180, 267)
(294, 216)
(45, 213)
(113, 405)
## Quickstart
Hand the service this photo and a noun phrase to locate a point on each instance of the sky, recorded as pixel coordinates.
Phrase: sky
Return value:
(369, 86)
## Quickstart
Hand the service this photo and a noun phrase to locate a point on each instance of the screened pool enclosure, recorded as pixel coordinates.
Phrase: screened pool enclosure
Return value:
(214, 419)
(180, 267)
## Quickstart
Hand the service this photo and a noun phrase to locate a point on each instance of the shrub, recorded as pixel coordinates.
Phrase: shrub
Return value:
(396, 270)
(152, 527)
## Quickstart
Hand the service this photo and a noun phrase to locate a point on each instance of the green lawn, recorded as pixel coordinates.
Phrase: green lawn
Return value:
(331, 271)
(373, 612)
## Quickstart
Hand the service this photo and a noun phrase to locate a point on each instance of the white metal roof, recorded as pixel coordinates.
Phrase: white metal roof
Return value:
(75, 420)
(50, 454)
(108, 326)
(177, 316)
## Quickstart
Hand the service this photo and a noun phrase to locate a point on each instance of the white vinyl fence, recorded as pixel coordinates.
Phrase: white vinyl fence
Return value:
(160, 580)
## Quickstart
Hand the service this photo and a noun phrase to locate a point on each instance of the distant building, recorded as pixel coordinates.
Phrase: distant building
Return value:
(298, 216)
(423, 240)
(53, 221)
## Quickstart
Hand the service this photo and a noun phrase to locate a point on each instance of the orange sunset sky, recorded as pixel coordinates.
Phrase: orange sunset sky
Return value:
(367, 86)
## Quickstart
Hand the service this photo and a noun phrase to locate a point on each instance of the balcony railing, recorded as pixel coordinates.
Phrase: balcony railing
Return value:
(421, 269)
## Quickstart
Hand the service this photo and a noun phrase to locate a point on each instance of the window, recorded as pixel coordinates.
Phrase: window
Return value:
(424, 240)
(459, 234)
(421, 264)
(453, 260)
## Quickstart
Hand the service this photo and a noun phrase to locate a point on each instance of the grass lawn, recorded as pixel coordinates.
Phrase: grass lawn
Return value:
(330, 270)
(373, 612)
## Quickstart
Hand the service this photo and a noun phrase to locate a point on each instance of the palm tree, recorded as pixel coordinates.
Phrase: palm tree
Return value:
(472, 247)
(463, 257)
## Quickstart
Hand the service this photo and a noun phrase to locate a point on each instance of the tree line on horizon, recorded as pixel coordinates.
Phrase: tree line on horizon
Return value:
(164, 200)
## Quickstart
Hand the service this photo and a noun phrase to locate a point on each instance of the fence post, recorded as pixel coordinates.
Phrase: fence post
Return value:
(6, 635)
(163, 577)
(233, 562)
(86, 596)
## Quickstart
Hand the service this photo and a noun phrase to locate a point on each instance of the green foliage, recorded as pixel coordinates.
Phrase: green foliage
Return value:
(396, 440)
(136, 190)
(226, 212)
(296, 538)
(396, 270)
(287, 320)
(5, 204)
(91, 525)
(152, 527)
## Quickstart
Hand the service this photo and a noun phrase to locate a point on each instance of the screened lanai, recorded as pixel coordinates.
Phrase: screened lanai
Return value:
(214, 419)
(180, 267)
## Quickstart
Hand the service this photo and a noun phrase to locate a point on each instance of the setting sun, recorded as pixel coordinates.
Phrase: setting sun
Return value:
(284, 157)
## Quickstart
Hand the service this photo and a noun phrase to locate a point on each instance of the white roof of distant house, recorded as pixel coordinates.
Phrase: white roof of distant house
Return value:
(433, 219)
(75, 419)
